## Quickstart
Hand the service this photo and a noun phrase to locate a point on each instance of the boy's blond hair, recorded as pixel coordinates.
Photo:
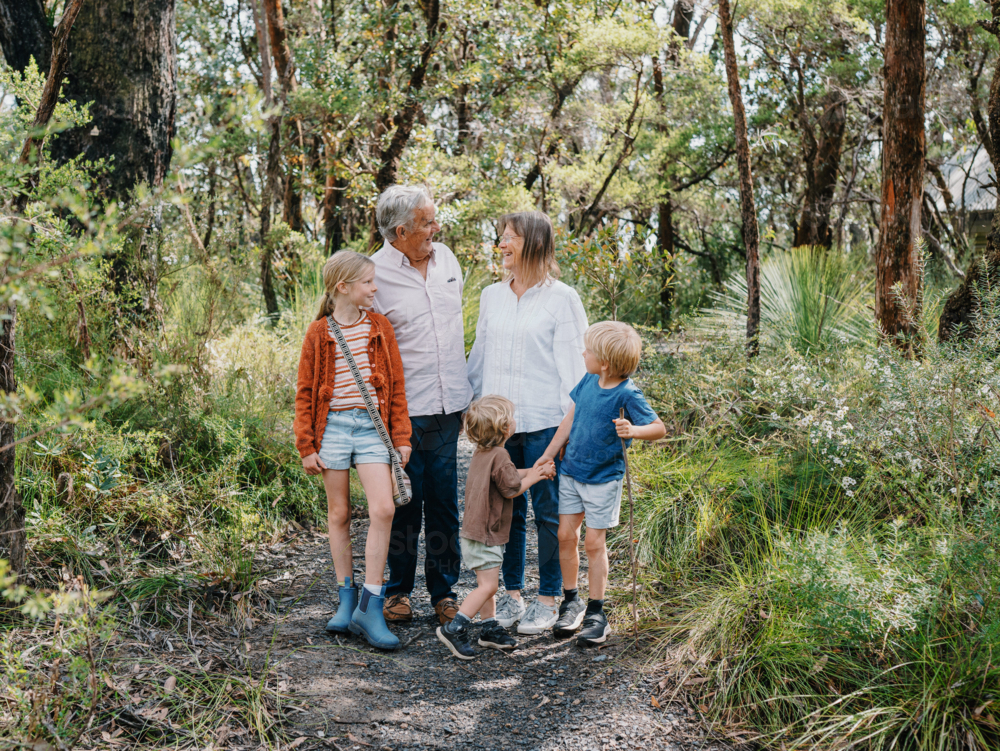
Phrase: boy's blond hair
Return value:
(488, 419)
(617, 344)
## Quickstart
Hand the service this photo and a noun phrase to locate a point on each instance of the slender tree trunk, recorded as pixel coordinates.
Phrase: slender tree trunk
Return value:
(897, 259)
(963, 304)
(284, 66)
(13, 536)
(272, 174)
(748, 209)
(814, 221)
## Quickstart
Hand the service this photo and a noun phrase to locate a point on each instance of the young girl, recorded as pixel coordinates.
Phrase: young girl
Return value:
(490, 488)
(333, 430)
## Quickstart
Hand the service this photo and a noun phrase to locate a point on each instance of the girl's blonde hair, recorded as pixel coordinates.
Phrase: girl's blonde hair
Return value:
(344, 266)
(538, 254)
(488, 419)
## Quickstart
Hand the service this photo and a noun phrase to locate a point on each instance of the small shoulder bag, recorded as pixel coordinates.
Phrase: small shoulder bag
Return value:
(401, 491)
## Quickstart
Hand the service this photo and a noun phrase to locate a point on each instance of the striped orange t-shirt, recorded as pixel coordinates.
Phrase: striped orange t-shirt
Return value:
(346, 394)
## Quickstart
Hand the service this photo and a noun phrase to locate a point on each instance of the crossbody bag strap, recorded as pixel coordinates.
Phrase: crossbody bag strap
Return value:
(397, 470)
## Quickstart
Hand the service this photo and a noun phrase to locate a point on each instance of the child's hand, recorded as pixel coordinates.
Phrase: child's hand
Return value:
(404, 455)
(548, 470)
(542, 461)
(623, 428)
(312, 464)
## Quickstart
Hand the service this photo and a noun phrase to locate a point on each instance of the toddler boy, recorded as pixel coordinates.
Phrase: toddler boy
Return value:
(590, 477)
(490, 488)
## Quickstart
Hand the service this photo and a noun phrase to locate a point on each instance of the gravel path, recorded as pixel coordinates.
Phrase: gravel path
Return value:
(546, 695)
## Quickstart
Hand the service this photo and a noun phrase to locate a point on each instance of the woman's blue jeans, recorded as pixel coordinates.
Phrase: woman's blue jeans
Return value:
(524, 449)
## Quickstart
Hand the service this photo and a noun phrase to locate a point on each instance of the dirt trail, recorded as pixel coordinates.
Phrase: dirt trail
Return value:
(546, 695)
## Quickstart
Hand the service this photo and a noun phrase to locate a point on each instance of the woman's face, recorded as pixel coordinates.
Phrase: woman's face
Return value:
(511, 245)
(362, 292)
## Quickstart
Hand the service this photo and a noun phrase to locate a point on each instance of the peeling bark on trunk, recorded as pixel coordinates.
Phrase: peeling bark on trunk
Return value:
(896, 259)
(748, 209)
(25, 33)
(814, 221)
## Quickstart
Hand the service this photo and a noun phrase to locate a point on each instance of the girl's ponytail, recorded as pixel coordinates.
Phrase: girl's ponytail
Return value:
(344, 266)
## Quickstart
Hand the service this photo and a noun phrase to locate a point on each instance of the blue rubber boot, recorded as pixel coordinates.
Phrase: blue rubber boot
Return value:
(341, 622)
(369, 621)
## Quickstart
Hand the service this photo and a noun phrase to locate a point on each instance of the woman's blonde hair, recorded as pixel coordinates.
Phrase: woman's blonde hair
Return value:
(617, 344)
(488, 419)
(344, 266)
(538, 254)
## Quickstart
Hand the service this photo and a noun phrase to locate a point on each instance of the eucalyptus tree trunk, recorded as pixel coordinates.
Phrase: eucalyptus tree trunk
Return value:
(122, 60)
(963, 304)
(821, 174)
(748, 209)
(897, 261)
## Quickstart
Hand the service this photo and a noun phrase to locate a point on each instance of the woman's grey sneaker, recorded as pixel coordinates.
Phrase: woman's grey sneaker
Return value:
(495, 636)
(571, 614)
(537, 618)
(595, 630)
(509, 610)
(457, 642)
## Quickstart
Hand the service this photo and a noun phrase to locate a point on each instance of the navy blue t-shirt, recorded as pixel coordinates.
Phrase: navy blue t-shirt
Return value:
(594, 452)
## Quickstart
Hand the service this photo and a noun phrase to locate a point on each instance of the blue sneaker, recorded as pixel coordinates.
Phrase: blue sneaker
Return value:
(369, 621)
(340, 623)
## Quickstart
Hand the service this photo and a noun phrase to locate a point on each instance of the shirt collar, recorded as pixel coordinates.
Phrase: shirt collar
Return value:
(397, 256)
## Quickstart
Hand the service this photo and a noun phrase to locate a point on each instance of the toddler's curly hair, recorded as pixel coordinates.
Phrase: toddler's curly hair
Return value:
(488, 419)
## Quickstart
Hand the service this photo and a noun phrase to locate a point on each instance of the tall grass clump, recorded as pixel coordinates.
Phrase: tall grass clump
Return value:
(812, 298)
(819, 537)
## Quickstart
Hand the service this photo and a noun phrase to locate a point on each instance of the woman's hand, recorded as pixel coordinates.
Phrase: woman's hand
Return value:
(312, 464)
(404, 455)
(624, 428)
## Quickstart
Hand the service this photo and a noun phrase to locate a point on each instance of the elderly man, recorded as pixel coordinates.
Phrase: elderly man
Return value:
(420, 291)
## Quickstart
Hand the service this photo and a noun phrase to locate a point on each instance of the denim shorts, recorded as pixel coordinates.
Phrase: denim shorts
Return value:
(600, 504)
(350, 438)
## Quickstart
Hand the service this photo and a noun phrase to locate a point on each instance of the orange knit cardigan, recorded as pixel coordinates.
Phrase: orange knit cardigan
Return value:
(315, 384)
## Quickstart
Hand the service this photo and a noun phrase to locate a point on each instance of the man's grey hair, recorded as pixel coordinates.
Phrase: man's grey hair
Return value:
(397, 206)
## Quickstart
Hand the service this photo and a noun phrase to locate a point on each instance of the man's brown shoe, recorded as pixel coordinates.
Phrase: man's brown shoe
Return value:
(397, 608)
(446, 610)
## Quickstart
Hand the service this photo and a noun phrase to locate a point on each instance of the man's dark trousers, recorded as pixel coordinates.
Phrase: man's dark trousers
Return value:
(433, 471)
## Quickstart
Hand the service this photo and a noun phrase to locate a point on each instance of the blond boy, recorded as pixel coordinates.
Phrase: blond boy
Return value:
(590, 477)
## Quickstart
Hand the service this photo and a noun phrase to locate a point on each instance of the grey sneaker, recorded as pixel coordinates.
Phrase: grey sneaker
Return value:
(537, 618)
(571, 614)
(509, 610)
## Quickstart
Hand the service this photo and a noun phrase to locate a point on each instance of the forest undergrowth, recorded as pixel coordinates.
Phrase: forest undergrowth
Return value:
(817, 539)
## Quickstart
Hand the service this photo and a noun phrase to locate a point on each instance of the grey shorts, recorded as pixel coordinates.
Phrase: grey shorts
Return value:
(478, 556)
(600, 504)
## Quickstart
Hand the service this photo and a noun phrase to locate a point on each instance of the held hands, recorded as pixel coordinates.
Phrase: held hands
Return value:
(545, 469)
(312, 464)
(624, 428)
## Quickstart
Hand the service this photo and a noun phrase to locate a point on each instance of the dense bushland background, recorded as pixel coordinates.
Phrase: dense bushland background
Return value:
(817, 536)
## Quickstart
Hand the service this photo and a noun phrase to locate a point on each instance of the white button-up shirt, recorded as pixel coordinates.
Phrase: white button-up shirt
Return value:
(426, 315)
(529, 350)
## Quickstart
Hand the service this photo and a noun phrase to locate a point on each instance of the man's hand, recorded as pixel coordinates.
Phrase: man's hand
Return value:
(404, 455)
(624, 428)
(312, 464)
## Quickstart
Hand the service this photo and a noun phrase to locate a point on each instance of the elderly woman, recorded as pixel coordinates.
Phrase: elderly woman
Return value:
(529, 348)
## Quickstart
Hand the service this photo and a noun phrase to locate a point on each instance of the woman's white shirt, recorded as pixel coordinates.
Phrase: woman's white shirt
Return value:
(529, 350)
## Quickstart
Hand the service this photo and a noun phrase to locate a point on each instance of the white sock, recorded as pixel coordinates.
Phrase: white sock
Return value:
(375, 589)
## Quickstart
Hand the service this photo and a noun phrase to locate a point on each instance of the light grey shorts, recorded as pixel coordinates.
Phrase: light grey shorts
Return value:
(478, 556)
(350, 438)
(599, 503)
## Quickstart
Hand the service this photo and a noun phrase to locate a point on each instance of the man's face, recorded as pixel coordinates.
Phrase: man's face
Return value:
(417, 243)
